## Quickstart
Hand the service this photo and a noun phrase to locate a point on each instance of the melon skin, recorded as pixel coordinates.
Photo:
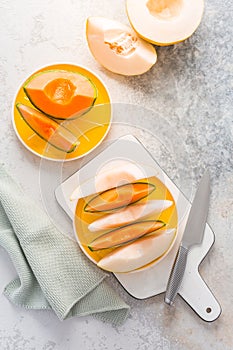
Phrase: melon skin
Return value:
(48, 129)
(46, 97)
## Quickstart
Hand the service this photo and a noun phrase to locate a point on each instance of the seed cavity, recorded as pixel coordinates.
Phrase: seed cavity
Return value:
(123, 44)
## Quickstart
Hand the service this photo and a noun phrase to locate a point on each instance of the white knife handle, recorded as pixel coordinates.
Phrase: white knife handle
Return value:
(176, 275)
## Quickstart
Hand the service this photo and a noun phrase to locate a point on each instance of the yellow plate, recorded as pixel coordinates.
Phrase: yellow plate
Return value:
(82, 219)
(91, 128)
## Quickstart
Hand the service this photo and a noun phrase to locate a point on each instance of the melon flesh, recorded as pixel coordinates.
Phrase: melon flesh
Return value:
(139, 253)
(165, 22)
(61, 94)
(118, 48)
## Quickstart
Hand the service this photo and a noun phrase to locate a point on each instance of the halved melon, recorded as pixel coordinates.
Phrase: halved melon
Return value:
(119, 197)
(118, 48)
(125, 234)
(47, 129)
(165, 22)
(129, 214)
(139, 253)
(61, 94)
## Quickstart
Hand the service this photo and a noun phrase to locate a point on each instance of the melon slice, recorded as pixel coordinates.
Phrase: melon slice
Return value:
(47, 129)
(165, 22)
(118, 48)
(119, 197)
(125, 234)
(61, 94)
(139, 253)
(129, 214)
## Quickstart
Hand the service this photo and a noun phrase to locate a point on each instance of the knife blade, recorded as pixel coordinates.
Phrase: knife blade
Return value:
(193, 235)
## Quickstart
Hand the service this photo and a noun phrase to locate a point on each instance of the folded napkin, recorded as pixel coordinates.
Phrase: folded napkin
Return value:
(53, 273)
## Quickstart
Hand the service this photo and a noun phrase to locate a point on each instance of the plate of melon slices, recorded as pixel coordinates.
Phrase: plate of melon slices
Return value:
(129, 223)
(62, 112)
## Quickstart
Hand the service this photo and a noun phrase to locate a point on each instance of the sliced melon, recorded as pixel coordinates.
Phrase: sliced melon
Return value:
(139, 253)
(49, 130)
(129, 214)
(118, 48)
(125, 234)
(119, 197)
(165, 22)
(61, 94)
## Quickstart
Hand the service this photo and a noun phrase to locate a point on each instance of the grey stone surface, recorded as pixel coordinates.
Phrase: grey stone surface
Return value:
(190, 92)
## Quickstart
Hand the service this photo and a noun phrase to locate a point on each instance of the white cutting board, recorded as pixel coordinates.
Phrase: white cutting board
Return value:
(152, 280)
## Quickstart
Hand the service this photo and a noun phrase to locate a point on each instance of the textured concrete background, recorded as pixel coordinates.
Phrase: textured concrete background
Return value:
(190, 90)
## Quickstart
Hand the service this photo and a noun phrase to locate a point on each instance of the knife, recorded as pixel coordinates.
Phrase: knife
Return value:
(193, 234)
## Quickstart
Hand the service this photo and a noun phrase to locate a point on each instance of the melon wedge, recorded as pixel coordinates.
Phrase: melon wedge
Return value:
(125, 234)
(165, 22)
(61, 94)
(129, 214)
(139, 253)
(119, 197)
(118, 48)
(47, 129)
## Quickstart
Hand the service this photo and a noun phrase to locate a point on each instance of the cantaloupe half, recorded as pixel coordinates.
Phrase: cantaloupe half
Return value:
(118, 48)
(139, 253)
(165, 22)
(61, 94)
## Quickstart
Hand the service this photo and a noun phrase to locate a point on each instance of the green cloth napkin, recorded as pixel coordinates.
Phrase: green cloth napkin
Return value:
(53, 273)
